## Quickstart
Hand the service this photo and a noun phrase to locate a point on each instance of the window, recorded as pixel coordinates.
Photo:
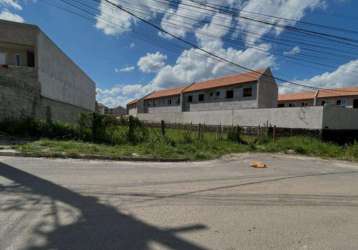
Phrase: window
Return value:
(201, 97)
(190, 98)
(323, 103)
(355, 103)
(291, 105)
(339, 102)
(170, 102)
(303, 104)
(30, 59)
(2, 58)
(281, 105)
(229, 94)
(218, 93)
(17, 60)
(211, 93)
(178, 101)
(247, 92)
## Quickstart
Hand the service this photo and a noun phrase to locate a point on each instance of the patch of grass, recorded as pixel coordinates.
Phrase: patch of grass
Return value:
(173, 146)
(107, 137)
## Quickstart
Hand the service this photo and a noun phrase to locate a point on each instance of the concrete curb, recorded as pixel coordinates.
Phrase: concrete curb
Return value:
(91, 157)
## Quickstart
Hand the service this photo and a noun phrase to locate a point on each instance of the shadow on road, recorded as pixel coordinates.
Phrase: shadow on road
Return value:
(99, 226)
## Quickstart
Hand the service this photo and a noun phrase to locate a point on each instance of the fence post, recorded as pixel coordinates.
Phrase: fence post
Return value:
(274, 133)
(162, 127)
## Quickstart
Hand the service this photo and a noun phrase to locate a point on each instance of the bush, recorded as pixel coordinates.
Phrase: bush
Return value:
(234, 134)
(136, 131)
(30, 127)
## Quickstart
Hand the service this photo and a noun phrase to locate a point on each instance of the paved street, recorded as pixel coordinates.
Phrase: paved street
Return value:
(296, 203)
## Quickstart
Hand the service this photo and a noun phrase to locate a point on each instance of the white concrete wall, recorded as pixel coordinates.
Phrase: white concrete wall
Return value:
(132, 111)
(60, 78)
(340, 118)
(226, 105)
(214, 102)
(164, 109)
(267, 91)
(305, 118)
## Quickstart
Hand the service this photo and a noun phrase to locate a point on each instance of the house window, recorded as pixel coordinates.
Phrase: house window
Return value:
(170, 102)
(178, 101)
(2, 58)
(229, 94)
(201, 97)
(247, 92)
(30, 59)
(190, 98)
(355, 103)
(339, 102)
(281, 105)
(211, 93)
(218, 93)
(303, 104)
(323, 103)
(291, 105)
(17, 60)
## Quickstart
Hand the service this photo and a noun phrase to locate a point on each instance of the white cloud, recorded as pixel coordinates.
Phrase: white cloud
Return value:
(294, 51)
(125, 69)
(344, 76)
(188, 15)
(113, 21)
(152, 62)
(11, 3)
(290, 9)
(9, 16)
(122, 94)
(193, 65)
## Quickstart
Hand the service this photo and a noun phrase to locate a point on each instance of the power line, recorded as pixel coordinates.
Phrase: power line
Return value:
(288, 45)
(210, 53)
(284, 42)
(286, 27)
(292, 58)
(241, 10)
(205, 51)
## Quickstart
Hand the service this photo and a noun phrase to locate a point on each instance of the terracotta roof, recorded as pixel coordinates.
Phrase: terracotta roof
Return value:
(133, 102)
(324, 93)
(349, 91)
(165, 92)
(226, 81)
(300, 96)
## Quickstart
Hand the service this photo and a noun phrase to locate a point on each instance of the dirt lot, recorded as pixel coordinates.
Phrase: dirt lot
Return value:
(296, 203)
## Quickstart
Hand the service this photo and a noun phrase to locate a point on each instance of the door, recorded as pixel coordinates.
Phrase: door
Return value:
(355, 103)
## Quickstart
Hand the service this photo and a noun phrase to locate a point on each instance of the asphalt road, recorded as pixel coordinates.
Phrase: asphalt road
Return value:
(296, 203)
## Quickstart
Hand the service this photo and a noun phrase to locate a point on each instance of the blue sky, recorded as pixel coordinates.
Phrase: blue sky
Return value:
(127, 59)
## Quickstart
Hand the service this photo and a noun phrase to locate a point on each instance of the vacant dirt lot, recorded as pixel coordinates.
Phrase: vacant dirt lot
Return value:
(296, 203)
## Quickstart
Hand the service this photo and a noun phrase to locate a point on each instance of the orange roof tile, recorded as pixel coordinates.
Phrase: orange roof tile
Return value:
(165, 92)
(133, 102)
(300, 96)
(225, 81)
(324, 93)
(349, 91)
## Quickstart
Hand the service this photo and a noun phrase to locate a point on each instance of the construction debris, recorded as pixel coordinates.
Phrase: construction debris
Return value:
(258, 164)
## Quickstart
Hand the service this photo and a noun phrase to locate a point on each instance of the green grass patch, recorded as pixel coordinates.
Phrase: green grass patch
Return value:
(175, 146)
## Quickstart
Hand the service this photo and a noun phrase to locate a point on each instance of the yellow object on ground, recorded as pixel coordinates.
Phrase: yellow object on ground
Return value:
(258, 164)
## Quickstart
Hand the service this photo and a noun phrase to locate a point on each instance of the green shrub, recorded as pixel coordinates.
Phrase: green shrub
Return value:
(234, 134)
(136, 131)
